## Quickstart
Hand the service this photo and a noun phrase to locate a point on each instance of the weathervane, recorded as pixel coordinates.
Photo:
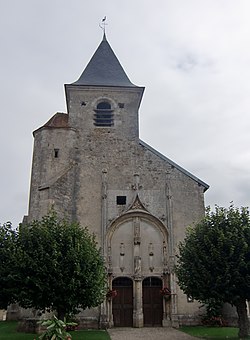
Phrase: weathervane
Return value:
(103, 24)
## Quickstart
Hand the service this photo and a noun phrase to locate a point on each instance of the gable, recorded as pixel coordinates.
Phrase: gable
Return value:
(173, 164)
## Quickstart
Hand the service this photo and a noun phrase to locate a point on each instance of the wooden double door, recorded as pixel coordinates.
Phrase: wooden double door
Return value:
(152, 302)
(123, 302)
(151, 298)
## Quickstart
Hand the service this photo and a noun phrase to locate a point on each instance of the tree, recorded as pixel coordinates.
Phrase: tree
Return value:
(214, 260)
(8, 238)
(59, 267)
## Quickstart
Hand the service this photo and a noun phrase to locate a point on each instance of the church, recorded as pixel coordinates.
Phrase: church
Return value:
(91, 165)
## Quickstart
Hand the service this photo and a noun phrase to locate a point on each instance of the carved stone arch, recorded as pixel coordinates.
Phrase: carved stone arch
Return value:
(100, 99)
(133, 213)
(138, 244)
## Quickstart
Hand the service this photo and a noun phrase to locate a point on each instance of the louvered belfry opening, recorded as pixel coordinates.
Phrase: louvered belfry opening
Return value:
(103, 115)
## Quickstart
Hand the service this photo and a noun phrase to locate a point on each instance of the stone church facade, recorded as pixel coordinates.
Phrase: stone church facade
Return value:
(91, 165)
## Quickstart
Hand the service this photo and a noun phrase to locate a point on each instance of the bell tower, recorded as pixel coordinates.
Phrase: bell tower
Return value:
(103, 99)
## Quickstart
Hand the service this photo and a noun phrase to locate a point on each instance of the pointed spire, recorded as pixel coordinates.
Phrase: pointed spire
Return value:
(104, 36)
(104, 69)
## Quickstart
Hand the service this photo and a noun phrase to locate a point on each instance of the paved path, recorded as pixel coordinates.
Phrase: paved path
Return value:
(148, 334)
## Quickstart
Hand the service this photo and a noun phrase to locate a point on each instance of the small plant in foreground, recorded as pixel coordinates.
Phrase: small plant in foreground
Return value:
(56, 329)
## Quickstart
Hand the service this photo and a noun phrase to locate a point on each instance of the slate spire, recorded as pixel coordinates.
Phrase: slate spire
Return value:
(104, 69)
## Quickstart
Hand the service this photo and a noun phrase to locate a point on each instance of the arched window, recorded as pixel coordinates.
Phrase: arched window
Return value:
(103, 115)
(122, 282)
(152, 282)
(104, 106)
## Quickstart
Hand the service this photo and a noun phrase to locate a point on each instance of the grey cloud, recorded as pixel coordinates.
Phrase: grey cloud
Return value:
(192, 56)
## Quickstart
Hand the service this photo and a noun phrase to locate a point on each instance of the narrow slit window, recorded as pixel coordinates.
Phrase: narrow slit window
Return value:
(103, 115)
(121, 200)
(56, 153)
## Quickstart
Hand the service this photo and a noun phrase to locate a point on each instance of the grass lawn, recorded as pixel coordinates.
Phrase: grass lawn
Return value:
(8, 332)
(213, 333)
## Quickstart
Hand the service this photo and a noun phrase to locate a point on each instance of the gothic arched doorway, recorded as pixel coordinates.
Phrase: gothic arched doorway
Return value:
(152, 301)
(122, 306)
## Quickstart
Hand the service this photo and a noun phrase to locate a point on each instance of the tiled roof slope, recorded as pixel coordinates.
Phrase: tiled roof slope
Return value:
(104, 69)
(59, 120)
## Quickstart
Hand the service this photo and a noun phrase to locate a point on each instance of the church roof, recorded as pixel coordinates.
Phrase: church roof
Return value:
(59, 120)
(104, 69)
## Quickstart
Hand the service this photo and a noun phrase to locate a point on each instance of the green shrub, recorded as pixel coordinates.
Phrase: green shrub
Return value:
(56, 329)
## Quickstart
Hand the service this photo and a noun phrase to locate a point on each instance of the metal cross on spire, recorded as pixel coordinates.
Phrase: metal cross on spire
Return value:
(103, 24)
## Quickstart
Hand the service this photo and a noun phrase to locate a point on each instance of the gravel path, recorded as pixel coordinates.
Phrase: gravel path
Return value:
(148, 334)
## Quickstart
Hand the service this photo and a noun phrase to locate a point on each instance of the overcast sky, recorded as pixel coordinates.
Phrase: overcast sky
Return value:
(193, 57)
